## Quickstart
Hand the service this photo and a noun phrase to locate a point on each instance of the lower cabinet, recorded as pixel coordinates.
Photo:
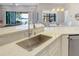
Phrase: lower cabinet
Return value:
(59, 47)
(51, 50)
(54, 48)
(64, 44)
(44, 52)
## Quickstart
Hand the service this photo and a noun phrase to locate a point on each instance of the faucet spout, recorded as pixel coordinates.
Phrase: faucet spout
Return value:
(31, 31)
(34, 29)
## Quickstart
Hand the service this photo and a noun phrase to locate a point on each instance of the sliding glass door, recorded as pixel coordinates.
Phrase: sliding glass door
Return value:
(17, 18)
(11, 18)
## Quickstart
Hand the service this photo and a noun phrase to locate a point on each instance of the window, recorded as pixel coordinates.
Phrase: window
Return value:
(22, 17)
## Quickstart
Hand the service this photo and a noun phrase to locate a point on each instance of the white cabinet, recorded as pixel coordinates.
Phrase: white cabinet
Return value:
(44, 52)
(64, 45)
(51, 50)
(59, 47)
(54, 47)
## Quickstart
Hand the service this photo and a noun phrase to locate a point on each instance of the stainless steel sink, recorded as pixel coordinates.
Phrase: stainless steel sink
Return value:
(30, 44)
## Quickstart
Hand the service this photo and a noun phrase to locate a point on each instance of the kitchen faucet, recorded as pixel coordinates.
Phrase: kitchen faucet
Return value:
(34, 29)
(30, 31)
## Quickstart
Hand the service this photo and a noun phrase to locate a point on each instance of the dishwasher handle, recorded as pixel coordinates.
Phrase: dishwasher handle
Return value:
(71, 35)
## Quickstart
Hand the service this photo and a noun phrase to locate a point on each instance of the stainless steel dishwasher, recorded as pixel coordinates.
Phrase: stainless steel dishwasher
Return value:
(73, 49)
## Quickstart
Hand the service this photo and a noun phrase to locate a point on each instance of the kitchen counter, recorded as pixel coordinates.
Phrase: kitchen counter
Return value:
(54, 32)
(7, 30)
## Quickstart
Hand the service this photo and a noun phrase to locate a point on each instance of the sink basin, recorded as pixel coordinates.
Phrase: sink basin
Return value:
(30, 44)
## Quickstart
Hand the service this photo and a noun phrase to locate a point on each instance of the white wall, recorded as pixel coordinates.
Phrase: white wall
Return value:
(34, 9)
(50, 6)
(72, 9)
(20, 8)
(1, 16)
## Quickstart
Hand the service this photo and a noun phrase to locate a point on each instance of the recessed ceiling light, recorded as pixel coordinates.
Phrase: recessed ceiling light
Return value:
(53, 9)
(62, 9)
(58, 9)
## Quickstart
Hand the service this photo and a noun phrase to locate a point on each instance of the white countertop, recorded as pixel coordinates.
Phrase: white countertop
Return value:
(6, 30)
(54, 32)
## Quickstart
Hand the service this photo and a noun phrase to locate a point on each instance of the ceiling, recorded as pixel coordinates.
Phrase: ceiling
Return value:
(18, 3)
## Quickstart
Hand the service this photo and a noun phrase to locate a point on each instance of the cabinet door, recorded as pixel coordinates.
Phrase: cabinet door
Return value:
(44, 52)
(51, 50)
(54, 48)
(65, 45)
